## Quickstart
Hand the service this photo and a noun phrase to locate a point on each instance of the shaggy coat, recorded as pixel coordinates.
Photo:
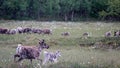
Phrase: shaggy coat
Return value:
(29, 52)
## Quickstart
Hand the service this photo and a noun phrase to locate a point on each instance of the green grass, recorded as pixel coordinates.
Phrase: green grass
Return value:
(73, 55)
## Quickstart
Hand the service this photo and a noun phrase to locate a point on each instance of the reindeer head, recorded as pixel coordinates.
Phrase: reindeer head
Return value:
(58, 53)
(43, 44)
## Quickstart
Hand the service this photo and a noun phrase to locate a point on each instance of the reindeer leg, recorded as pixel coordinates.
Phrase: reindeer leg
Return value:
(14, 58)
(40, 61)
(20, 59)
(20, 64)
(31, 61)
(16, 55)
(44, 62)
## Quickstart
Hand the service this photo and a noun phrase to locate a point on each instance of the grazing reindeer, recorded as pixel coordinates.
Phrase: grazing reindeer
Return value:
(108, 34)
(3, 30)
(27, 30)
(85, 35)
(47, 31)
(30, 52)
(118, 33)
(65, 34)
(19, 29)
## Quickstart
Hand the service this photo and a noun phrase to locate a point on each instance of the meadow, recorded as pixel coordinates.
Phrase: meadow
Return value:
(76, 51)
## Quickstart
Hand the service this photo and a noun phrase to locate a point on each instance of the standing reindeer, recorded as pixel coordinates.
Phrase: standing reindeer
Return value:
(30, 52)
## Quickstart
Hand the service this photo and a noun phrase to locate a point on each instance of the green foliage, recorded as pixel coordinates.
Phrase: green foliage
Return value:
(98, 6)
(113, 10)
(65, 9)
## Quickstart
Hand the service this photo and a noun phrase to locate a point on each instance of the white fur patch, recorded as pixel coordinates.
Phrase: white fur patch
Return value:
(18, 49)
(51, 57)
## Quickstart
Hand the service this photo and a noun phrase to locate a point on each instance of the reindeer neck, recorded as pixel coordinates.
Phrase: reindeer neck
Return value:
(40, 49)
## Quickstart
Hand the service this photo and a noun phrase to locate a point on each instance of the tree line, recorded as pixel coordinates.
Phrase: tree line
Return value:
(64, 10)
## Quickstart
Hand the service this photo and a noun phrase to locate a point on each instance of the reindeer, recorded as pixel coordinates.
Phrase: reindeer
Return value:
(3, 30)
(19, 30)
(108, 34)
(85, 35)
(47, 31)
(65, 34)
(30, 52)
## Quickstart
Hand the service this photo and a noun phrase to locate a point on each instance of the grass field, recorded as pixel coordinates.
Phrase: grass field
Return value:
(73, 55)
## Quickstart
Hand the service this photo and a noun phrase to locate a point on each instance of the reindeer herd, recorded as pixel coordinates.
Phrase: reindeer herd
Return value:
(21, 30)
(115, 34)
(28, 30)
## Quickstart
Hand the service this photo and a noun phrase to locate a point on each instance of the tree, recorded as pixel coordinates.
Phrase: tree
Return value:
(112, 12)
(68, 8)
(98, 6)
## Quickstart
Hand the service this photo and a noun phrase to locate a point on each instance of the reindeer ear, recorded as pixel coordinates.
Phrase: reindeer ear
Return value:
(43, 40)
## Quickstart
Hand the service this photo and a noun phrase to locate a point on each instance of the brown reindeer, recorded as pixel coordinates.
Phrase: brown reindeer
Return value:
(3, 30)
(30, 52)
(47, 31)
(65, 34)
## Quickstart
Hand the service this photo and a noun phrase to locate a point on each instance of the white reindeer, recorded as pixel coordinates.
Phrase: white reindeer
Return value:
(50, 56)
